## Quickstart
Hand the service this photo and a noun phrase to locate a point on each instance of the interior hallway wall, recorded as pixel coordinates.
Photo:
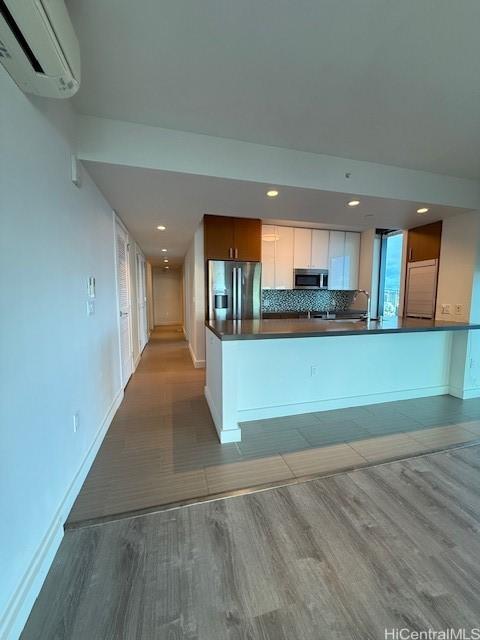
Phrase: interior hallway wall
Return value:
(56, 360)
(194, 288)
(167, 296)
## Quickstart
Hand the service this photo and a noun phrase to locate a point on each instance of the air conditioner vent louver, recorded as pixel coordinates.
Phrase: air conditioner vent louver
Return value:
(39, 48)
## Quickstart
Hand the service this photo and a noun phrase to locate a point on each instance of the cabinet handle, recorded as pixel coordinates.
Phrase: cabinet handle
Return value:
(236, 253)
(230, 253)
(410, 254)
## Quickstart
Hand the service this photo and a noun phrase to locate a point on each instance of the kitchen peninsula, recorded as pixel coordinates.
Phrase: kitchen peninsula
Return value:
(262, 368)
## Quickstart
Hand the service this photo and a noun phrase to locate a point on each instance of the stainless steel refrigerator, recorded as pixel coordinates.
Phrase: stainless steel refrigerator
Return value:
(234, 290)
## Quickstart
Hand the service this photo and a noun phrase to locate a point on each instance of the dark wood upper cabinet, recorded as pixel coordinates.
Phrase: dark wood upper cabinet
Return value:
(424, 242)
(248, 239)
(228, 238)
(218, 237)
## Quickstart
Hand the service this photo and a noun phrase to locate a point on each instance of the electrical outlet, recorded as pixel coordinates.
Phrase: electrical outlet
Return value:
(458, 309)
(314, 370)
(90, 307)
(76, 421)
(446, 309)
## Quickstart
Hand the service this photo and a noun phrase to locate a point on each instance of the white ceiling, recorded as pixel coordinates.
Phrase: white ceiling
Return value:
(394, 82)
(145, 198)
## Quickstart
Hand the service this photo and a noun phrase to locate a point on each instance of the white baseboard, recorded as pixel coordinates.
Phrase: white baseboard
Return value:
(278, 411)
(23, 599)
(464, 394)
(224, 435)
(198, 364)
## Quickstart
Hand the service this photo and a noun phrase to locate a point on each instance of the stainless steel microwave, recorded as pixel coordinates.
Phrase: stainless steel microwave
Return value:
(310, 279)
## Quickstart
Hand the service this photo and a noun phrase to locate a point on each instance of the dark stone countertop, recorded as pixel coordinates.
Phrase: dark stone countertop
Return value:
(263, 329)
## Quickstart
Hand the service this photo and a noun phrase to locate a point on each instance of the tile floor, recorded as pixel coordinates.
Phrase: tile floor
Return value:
(162, 446)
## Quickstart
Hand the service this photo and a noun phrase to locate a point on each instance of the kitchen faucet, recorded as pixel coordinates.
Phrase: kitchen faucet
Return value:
(367, 315)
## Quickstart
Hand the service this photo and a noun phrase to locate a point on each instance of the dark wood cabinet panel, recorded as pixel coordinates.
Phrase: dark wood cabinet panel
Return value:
(424, 242)
(228, 238)
(248, 239)
(218, 237)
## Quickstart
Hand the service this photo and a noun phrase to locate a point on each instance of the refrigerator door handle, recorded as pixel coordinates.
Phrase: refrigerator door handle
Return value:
(239, 293)
(234, 292)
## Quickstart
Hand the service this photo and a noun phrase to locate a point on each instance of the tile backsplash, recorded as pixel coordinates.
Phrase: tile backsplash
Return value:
(306, 300)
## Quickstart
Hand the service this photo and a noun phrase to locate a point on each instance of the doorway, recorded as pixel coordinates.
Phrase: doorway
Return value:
(391, 270)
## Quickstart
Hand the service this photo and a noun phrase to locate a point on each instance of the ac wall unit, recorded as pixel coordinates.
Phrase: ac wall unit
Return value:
(39, 48)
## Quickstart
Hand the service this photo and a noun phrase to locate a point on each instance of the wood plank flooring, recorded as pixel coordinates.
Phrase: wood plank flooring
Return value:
(162, 446)
(341, 557)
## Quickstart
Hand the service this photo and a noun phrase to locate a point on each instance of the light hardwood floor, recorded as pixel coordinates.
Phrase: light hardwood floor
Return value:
(341, 557)
(162, 446)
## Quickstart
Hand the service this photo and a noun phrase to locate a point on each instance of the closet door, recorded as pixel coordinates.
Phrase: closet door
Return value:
(124, 306)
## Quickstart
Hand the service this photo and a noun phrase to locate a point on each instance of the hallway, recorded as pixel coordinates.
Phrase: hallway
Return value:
(162, 447)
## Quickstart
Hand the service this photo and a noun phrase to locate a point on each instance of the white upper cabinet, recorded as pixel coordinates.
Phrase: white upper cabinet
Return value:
(352, 260)
(343, 260)
(302, 250)
(268, 256)
(287, 248)
(320, 242)
(336, 259)
(284, 258)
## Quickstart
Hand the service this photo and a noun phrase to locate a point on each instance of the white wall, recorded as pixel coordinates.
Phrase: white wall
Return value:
(167, 296)
(459, 256)
(459, 283)
(54, 359)
(194, 296)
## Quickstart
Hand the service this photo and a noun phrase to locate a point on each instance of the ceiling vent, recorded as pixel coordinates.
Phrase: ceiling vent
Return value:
(39, 48)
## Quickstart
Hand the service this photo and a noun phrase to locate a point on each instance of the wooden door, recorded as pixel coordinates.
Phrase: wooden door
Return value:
(424, 242)
(219, 237)
(320, 240)
(302, 248)
(247, 239)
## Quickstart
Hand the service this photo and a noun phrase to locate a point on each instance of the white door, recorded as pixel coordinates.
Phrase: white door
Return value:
(141, 302)
(320, 240)
(123, 293)
(302, 248)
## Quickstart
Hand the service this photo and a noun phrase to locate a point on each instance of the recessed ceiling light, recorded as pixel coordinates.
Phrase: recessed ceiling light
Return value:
(273, 193)
(354, 203)
(422, 210)
(165, 260)
(161, 227)
(166, 267)
(164, 250)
